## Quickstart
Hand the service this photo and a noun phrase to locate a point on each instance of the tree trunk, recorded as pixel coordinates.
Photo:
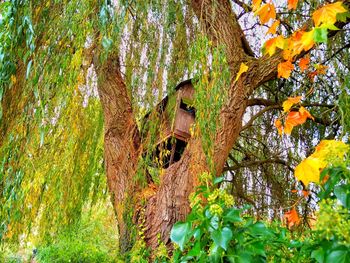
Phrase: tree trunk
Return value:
(121, 145)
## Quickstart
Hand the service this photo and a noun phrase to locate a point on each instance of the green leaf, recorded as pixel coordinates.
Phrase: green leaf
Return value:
(179, 233)
(233, 215)
(222, 237)
(106, 43)
(214, 223)
(320, 35)
(244, 257)
(42, 136)
(342, 192)
(218, 180)
(338, 256)
(258, 248)
(318, 255)
(196, 250)
(259, 229)
(214, 257)
(343, 16)
(197, 233)
(29, 66)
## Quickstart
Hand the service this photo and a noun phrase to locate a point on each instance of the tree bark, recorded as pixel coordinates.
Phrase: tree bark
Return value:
(121, 143)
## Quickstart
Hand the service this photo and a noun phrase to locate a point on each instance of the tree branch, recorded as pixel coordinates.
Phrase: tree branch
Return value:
(220, 24)
(260, 162)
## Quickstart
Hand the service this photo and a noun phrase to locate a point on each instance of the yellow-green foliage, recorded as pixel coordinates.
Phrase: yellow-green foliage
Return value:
(333, 221)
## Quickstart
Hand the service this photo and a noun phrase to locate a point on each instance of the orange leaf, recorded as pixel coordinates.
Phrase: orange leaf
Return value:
(288, 127)
(304, 63)
(305, 113)
(278, 125)
(301, 41)
(312, 75)
(295, 118)
(325, 179)
(328, 14)
(295, 44)
(273, 28)
(292, 4)
(290, 102)
(320, 69)
(266, 12)
(284, 69)
(273, 43)
(292, 218)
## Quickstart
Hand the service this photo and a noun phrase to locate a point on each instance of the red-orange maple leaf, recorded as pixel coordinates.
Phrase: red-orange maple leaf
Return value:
(284, 69)
(295, 118)
(292, 4)
(304, 63)
(292, 218)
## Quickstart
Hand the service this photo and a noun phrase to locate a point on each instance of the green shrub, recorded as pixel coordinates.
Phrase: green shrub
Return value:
(9, 253)
(94, 238)
(72, 250)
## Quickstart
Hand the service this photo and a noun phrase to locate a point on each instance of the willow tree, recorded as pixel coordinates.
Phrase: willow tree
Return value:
(54, 53)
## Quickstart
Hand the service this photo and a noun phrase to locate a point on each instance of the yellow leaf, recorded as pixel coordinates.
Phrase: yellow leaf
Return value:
(13, 79)
(307, 40)
(284, 69)
(273, 28)
(243, 68)
(256, 4)
(266, 12)
(328, 149)
(290, 102)
(292, 4)
(309, 170)
(328, 14)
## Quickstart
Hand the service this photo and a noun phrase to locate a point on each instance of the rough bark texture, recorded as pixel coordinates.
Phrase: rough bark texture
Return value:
(169, 202)
(121, 142)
